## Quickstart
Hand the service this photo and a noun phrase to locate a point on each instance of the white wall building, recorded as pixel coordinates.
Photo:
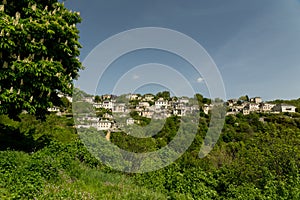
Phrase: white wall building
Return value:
(108, 104)
(266, 107)
(284, 108)
(148, 97)
(161, 103)
(183, 100)
(119, 108)
(253, 107)
(130, 121)
(104, 125)
(144, 104)
(256, 100)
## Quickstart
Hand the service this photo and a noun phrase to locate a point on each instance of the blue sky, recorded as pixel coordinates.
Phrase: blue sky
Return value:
(254, 43)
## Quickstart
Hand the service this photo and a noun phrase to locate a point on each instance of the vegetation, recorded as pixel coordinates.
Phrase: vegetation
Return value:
(39, 52)
(294, 102)
(256, 157)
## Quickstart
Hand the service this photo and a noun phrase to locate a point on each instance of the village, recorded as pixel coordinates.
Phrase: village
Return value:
(151, 107)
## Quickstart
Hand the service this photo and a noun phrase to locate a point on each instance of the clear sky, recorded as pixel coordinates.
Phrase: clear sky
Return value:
(254, 43)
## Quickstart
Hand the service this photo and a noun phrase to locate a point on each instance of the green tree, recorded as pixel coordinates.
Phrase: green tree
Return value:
(165, 95)
(97, 99)
(244, 98)
(39, 52)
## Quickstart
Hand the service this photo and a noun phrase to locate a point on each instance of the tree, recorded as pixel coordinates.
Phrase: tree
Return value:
(97, 98)
(39, 52)
(244, 98)
(165, 95)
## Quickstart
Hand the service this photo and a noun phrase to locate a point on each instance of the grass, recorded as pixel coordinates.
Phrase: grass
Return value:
(63, 176)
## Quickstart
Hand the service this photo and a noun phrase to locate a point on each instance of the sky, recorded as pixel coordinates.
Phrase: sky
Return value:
(254, 44)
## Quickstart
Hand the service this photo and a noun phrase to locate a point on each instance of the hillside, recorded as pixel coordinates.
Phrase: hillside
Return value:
(256, 157)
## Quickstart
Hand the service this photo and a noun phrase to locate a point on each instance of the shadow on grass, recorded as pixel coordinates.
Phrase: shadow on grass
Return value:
(13, 139)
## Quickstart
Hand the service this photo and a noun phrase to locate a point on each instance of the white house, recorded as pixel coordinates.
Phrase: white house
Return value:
(232, 102)
(83, 126)
(97, 105)
(179, 112)
(146, 113)
(256, 100)
(104, 125)
(183, 100)
(284, 108)
(53, 109)
(108, 104)
(266, 107)
(130, 121)
(70, 99)
(161, 103)
(119, 108)
(246, 112)
(133, 96)
(253, 106)
(148, 97)
(144, 104)
(206, 108)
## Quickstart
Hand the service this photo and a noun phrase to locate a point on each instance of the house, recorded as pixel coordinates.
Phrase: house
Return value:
(108, 97)
(144, 104)
(119, 108)
(183, 100)
(130, 121)
(161, 103)
(231, 113)
(179, 112)
(70, 99)
(232, 102)
(97, 105)
(266, 107)
(206, 108)
(133, 96)
(83, 126)
(284, 108)
(149, 97)
(256, 100)
(253, 107)
(146, 113)
(108, 116)
(237, 108)
(104, 125)
(246, 111)
(108, 104)
(53, 109)
(161, 115)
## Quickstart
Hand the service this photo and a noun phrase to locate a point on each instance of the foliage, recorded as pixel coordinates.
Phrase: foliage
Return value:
(39, 52)
(63, 171)
(31, 134)
(165, 95)
(253, 159)
(294, 102)
(142, 121)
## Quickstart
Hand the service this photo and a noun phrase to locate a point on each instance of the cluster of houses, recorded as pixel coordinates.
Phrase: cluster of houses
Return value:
(256, 104)
(149, 106)
(145, 106)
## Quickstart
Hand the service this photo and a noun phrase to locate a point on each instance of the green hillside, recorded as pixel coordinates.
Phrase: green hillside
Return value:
(256, 157)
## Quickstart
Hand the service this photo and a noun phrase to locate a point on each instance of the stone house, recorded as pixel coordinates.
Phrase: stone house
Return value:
(104, 125)
(284, 108)
(256, 100)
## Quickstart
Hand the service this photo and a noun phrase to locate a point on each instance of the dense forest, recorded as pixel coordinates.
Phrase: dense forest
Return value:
(257, 157)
